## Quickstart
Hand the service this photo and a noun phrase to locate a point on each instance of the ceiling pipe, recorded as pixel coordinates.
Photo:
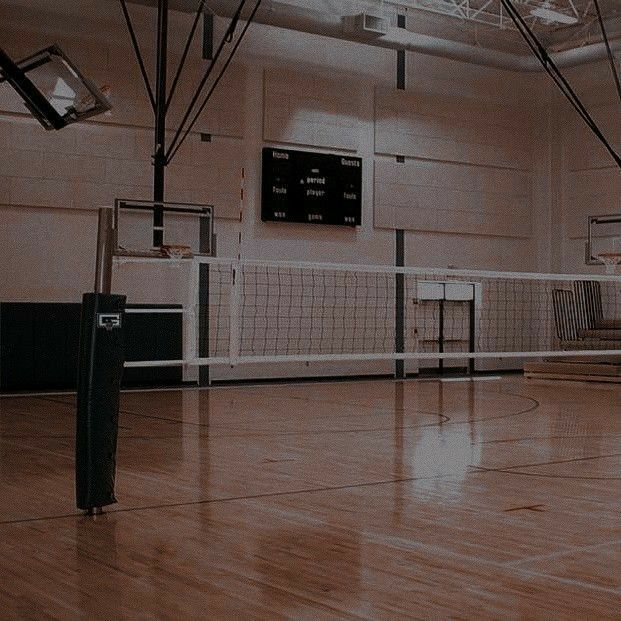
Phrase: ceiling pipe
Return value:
(282, 15)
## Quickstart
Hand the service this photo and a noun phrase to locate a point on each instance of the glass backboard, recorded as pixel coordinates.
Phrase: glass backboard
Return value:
(187, 229)
(52, 88)
(603, 245)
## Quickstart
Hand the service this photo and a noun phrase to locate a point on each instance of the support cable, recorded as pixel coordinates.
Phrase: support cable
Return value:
(543, 57)
(199, 12)
(172, 152)
(139, 57)
(205, 78)
(611, 58)
(554, 72)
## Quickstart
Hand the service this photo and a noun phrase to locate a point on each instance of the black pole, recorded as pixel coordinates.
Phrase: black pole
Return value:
(473, 328)
(159, 158)
(441, 334)
(206, 245)
(400, 241)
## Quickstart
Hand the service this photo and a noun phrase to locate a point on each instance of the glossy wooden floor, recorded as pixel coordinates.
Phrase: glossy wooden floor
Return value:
(379, 500)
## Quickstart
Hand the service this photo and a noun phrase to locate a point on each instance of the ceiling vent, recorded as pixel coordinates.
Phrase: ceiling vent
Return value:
(370, 25)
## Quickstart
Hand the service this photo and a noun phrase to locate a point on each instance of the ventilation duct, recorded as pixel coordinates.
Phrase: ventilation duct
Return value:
(368, 25)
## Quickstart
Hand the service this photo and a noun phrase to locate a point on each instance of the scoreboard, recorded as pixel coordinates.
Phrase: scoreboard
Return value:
(303, 186)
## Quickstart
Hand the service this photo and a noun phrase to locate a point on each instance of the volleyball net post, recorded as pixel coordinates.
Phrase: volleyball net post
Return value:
(100, 365)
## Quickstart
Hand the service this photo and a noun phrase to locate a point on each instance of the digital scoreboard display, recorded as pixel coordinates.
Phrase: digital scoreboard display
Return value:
(302, 186)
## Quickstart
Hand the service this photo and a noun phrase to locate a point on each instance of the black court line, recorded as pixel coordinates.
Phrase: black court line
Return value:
(534, 508)
(560, 461)
(444, 417)
(172, 505)
(476, 469)
(576, 437)
(222, 434)
(515, 469)
(448, 421)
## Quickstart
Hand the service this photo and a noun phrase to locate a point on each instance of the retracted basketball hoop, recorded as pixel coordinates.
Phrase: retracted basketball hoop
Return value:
(186, 230)
(603, 245)
(52, 88)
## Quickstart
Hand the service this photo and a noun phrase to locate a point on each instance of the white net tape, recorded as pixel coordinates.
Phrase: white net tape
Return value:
(303, 312)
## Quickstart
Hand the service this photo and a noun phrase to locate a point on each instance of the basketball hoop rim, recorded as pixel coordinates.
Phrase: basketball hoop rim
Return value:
(609, 258)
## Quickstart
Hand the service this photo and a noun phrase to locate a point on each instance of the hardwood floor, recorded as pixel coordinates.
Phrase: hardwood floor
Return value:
(378, 500)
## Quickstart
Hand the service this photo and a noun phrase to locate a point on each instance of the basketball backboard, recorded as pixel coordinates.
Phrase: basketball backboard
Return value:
(603, 246)
(52, 88)
(186, 231)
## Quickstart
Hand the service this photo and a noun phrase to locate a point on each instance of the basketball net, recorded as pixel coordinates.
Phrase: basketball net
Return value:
(611, 261)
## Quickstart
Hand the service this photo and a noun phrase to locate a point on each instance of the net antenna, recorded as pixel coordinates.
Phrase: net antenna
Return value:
(604, 228)
(52, 88)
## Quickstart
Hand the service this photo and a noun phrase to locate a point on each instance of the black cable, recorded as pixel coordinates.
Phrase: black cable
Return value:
(232, 28)
(199, 12)
(136, 45)
(554, 72)
(171, 152)
(611, 57)
(206, 77)
(543, 57)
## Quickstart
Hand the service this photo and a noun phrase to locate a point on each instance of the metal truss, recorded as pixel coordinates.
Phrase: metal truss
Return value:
(492, 12)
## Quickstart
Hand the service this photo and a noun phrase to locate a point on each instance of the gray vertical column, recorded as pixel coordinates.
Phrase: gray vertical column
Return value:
(399, 305)
(203, 303)
(400, 241)
(473, 328)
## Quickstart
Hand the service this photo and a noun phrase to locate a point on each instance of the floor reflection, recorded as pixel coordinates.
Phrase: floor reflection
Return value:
(313, 561)
(96, 544)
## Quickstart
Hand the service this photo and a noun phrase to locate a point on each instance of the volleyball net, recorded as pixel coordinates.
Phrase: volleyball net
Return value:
(269, 312)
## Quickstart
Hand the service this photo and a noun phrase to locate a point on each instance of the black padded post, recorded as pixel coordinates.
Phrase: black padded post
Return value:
(99, 381)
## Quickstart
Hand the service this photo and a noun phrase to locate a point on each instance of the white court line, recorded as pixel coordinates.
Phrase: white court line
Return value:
(15, 395)
(561, 553)
(281, 381)
(439, 551)
(482, 378)
(155, 311)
